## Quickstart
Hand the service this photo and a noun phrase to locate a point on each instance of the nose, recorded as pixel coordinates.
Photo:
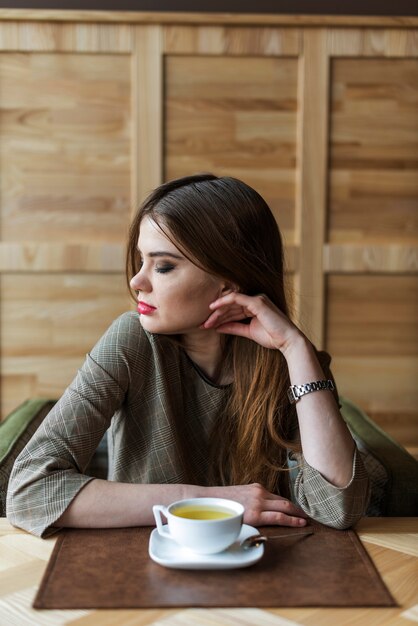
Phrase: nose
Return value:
(140, 282)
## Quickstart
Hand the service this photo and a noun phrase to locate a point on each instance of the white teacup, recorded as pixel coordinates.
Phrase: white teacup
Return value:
(205, 525)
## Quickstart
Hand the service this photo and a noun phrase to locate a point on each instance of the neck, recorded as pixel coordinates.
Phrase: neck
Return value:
(205, 349)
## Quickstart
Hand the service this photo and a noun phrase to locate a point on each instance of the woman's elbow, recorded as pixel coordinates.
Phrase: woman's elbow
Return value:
(23, 499)
(350, 510)
(344, 521)
(16, 506)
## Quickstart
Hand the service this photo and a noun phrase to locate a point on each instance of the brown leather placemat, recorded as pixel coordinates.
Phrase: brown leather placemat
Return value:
(111, 568)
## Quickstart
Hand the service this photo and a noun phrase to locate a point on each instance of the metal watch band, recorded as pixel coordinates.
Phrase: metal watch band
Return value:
(297, 391)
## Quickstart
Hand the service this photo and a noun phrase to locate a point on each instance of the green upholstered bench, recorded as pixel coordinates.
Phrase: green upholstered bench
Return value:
(400, 491)
(393, 472)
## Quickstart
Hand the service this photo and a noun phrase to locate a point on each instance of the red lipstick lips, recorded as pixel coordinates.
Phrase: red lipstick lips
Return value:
(145, 309)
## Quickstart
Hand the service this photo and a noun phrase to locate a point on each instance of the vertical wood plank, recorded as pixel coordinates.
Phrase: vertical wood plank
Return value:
(311, 194)
(147, 112)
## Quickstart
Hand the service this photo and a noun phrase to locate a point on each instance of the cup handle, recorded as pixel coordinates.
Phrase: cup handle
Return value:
(157, 509)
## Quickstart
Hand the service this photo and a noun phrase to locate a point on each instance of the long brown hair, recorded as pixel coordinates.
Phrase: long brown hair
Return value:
(227, 228)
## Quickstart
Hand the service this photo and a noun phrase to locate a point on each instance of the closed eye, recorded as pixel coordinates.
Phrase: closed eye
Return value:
(164, 269)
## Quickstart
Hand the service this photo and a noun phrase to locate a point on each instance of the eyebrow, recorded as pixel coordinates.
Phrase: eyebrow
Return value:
(162, 253)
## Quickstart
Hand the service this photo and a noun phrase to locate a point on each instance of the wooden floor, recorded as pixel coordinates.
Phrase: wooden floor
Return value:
(392, 544)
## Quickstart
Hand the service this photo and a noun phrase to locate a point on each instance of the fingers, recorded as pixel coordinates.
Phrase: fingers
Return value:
(225, 315)
(252, 303)
(264, 508)
(234, 307)
(267, 516)
(253, 317)
(273, 518)
(283, 506)
(236, 328)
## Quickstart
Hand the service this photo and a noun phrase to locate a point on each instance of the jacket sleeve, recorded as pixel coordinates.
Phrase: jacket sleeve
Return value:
(48, 473)
(338, 507)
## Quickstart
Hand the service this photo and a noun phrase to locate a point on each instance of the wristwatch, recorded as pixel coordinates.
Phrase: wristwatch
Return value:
(295, 392)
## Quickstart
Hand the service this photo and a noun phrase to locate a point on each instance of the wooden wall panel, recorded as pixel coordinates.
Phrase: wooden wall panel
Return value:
(373, 316)
(48, 324)
(65, 147)
(374, 151)
(236, 117)
(372, 333)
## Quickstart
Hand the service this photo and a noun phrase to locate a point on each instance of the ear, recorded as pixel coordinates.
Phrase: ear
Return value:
(229, 288)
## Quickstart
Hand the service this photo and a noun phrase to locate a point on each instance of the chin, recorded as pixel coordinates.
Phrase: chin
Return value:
(149, 325)
(158, 328)
(153, 326)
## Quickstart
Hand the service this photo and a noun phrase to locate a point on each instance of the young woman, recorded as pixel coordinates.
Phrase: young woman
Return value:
(194, 386)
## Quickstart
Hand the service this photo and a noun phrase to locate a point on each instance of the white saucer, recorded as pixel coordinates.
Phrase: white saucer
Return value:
(168, 553)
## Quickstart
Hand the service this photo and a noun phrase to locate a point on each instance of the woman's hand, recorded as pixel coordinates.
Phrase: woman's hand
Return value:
(268, 326)
(262, 508)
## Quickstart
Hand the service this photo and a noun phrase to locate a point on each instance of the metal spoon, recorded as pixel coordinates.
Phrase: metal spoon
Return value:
(254, 541)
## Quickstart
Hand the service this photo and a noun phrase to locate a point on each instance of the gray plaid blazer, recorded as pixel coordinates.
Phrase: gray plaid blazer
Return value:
(159, 410)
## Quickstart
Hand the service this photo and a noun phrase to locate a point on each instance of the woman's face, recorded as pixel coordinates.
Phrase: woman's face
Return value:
(173, 293)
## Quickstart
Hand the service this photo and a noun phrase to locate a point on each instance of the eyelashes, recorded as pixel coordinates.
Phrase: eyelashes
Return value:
(164, 269)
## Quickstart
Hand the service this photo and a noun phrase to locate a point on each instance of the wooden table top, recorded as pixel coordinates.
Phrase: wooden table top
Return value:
(391, 542)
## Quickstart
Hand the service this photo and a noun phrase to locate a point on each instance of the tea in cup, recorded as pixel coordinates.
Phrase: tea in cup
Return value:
(204, 525)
